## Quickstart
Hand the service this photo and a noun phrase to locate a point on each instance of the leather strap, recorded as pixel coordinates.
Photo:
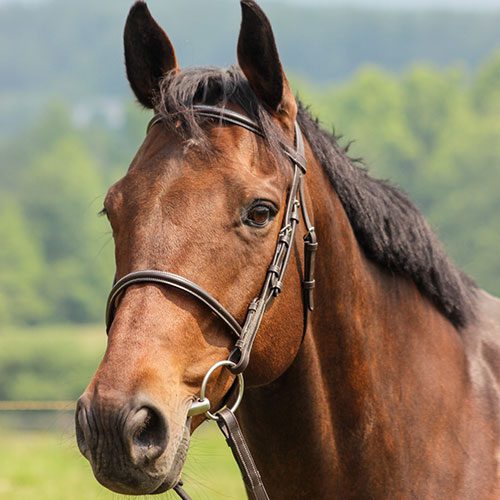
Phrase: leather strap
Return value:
(169, 280)
(178, 488)
(236, 441)
(274, 280)
(234, 118)
(228, 116)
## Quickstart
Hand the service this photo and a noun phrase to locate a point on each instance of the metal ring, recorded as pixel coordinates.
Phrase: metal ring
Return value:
(241, 383)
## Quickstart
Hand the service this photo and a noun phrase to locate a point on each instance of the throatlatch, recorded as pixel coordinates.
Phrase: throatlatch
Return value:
(272, 287)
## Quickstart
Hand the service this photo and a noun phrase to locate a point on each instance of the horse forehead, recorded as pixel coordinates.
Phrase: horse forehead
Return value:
(220, 147)
(180, 186)
(170, 171)
(171, 179)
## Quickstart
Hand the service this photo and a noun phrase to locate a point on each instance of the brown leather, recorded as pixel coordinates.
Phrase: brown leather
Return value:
(178, 488)
(174, 281)
(236, 441)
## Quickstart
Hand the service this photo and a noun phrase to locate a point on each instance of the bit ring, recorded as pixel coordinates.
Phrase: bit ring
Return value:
(241, 387)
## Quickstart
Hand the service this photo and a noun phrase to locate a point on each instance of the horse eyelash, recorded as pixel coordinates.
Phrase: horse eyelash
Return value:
(102, 213)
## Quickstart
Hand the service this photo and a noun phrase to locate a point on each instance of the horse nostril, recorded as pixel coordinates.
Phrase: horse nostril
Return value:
(148, 434)
(81, 426)
(150, 430)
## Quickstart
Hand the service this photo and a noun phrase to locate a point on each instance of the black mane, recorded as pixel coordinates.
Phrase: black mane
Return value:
(389, 228)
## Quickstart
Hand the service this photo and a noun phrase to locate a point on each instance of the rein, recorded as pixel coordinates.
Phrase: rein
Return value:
(245, 335)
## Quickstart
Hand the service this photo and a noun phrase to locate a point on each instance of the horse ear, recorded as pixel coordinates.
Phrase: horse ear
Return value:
(259, 60)
(149, 54)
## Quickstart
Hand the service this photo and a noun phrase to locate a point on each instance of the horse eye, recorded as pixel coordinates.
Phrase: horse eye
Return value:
(259, 215)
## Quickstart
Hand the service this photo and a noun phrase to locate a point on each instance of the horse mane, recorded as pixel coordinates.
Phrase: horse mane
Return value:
(388, 227)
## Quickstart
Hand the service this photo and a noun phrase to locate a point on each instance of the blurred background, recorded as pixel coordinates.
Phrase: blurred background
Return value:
(416, 84)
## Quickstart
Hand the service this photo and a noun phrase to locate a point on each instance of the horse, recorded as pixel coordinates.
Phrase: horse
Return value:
(385, 386)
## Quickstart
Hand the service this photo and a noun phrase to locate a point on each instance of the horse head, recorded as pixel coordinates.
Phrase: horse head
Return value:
(204, 200)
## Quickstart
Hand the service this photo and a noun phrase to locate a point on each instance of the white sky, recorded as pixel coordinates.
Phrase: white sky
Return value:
(458, 4)
(405, 4)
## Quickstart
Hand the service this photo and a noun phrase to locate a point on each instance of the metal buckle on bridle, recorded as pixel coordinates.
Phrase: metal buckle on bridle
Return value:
(203, 405)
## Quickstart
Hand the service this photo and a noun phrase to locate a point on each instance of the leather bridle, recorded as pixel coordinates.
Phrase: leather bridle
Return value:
(272, 287)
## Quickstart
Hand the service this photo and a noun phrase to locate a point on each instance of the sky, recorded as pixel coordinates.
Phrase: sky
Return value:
(412, 4)
(404, 4)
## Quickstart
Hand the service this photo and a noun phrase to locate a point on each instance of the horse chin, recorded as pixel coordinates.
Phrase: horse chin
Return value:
(166, 486)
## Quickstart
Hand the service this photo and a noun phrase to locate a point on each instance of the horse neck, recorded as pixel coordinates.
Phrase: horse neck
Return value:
(330, 417)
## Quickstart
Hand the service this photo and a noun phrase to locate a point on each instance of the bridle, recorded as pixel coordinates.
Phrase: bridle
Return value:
(240, 356)
(245, 335)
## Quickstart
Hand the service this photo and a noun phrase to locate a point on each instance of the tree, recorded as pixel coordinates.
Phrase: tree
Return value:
(63, 193)
(370, 109)
(20, 278)
(486, 88)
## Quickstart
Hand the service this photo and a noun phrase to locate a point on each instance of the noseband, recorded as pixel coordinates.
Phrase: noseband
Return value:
(245, 335)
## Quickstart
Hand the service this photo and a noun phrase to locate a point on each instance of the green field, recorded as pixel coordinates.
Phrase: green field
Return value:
(48, 466)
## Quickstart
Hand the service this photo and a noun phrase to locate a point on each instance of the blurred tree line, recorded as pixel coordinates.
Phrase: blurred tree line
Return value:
(435, 133)
(73, 49)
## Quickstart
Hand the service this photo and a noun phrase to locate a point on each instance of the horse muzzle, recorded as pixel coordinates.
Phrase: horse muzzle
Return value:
(129, 445)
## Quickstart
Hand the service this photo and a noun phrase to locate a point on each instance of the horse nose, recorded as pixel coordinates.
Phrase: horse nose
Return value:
(144, 434)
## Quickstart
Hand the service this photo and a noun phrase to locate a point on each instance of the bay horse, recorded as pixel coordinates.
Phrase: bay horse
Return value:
(389, 389)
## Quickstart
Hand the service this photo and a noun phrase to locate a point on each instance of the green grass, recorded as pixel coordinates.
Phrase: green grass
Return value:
(48, 466)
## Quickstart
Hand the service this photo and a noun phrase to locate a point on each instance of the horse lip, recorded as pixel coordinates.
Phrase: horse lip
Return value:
(122, 489)
(179, 460)
(168, 484)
